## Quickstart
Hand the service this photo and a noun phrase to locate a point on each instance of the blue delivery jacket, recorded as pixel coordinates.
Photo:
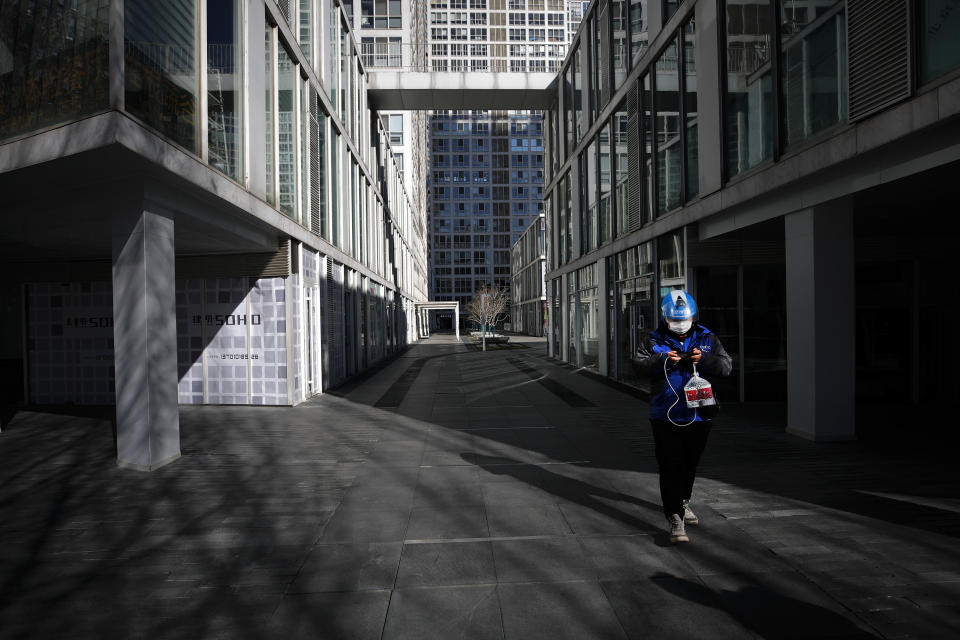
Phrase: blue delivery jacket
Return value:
(651, 355)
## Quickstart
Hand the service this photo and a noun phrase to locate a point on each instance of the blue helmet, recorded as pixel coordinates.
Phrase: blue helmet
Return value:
(678, 305)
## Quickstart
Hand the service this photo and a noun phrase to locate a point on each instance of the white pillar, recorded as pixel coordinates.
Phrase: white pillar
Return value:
(145, 337)
(821, 341)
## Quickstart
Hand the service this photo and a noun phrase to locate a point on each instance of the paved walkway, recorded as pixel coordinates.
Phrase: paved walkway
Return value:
(463, 494)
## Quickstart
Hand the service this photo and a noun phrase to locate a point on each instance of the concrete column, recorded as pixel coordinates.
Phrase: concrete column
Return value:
(820, 326)
(145, 337)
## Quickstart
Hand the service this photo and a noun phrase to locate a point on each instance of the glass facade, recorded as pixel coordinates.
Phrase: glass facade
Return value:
(53, 62)
(669, 144)
(939, 32)
(224, 86)
(621, 125)
(813, 67)
(269, 104)
(636, 309)
(748, 98)
(162, 83)
(287, 76)
(639, 38)
(691, 141)
(587, 318)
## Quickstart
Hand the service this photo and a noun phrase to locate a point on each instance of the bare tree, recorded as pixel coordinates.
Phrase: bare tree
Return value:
(488, 307)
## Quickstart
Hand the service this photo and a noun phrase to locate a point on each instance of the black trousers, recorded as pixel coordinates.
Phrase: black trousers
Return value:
(678, 451)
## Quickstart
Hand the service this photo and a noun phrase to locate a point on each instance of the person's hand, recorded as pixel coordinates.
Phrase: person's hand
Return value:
(695, 355)
(672, 357)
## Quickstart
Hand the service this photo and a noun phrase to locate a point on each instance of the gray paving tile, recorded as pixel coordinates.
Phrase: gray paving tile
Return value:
(450, 495)
(448, 522)
(552, 611)
(207, 546)
(355, 615)
(445, 564)
(547, 559)
(596, 517)
(526, 520)
(348, 567)
(784, 604)
(633, 557)
(442, 613)
(647, 610)
(367, 525)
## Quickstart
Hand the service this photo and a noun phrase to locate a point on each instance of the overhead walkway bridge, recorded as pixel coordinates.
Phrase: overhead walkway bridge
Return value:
(409, 90)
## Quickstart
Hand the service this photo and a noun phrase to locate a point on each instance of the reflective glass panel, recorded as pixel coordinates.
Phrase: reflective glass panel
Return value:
(268, 76)
(749, 97)
(690, 109)
(603, 216)
(621, 168)
(618, 19)
(53, 62)
(224, 86)
(160, 55)
(638, 28)
(813, 61)
(286, 132)
(939, 38)
(669, 149)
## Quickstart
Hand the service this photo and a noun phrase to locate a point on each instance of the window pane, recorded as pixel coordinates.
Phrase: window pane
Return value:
(578, 115)
(588, 209)
(647, 124)
(59, 76)
(669, 150)
(621, 205)
(286, 156)
(814, 69)
(749, 98)
(161, 80)
(618, 18)
(603, 219)
(268, 116)
(323, 178)
(224, 86)
(638, 27)
(690, 107)
(670, 256)
(939, 38)
(306, 26)
(669, 8)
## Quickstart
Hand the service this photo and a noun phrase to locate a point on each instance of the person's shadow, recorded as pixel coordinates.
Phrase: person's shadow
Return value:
(570, 489)
(764, 611)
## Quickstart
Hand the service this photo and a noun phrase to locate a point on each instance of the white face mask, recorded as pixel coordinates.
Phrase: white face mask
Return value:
(680, 326)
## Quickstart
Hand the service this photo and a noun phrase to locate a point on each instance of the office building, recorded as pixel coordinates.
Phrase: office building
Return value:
(792, 163)
(199, 207)
(486, 173)
(528, 292)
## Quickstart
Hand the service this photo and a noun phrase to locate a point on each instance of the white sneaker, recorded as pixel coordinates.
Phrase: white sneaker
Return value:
(677, 531)
(689, 517)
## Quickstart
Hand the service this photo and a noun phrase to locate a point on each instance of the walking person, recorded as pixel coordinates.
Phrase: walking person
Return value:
(667, 355)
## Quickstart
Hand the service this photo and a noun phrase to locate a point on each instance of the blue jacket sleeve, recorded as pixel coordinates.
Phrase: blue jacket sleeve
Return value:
(716, 361)
(649, 356)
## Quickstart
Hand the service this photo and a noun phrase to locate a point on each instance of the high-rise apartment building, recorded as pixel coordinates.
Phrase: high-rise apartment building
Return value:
(486, 174)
